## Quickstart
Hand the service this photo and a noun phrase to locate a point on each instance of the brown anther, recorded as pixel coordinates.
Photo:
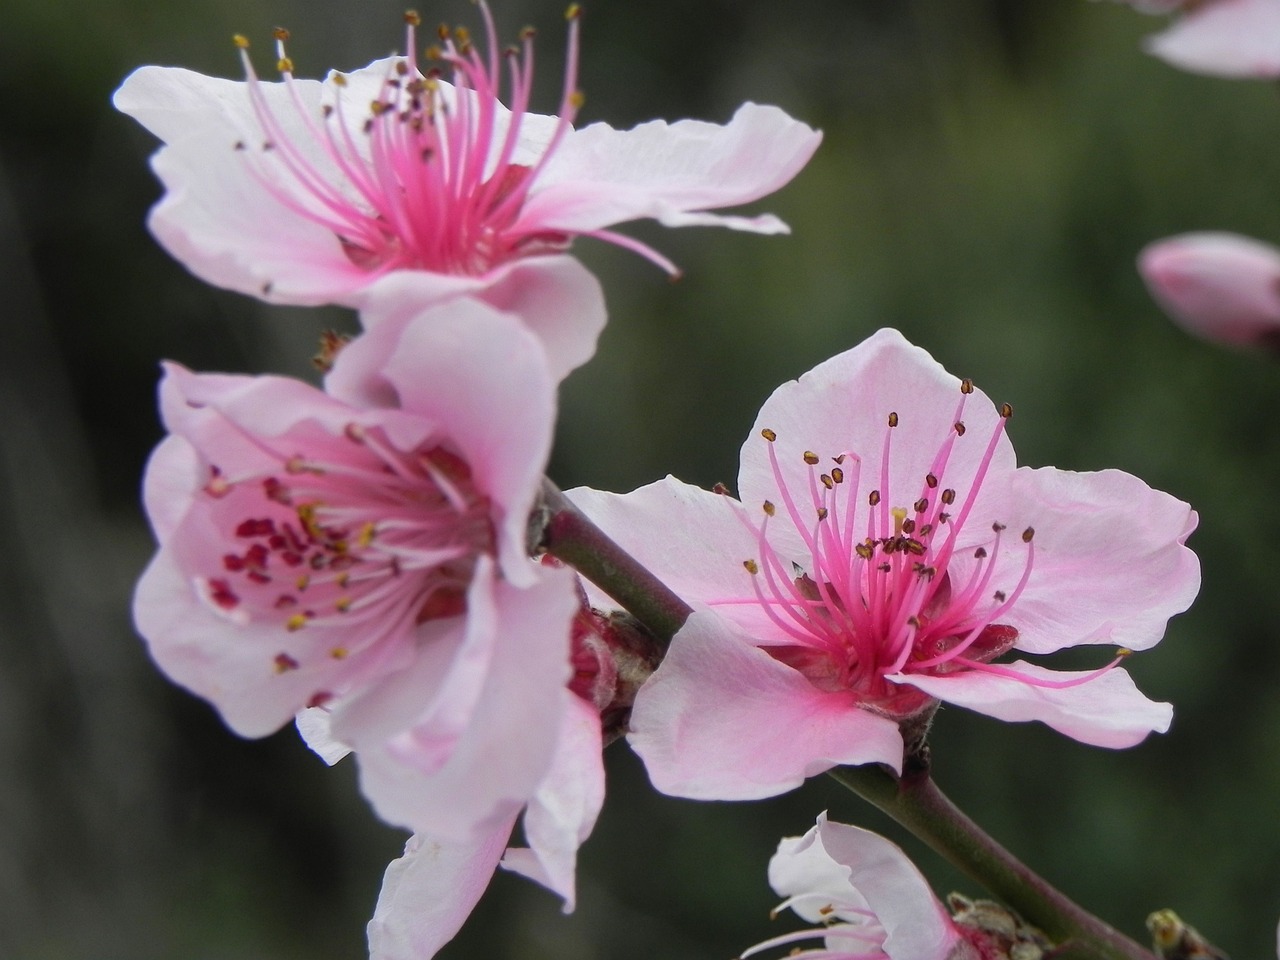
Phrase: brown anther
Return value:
(913, 622)
(822, 513)
(827, 481)
(527, 33)
(751, 567)
(912, 545)
(873, 497)
(442, 31)
(949, 496)
(769, 508)
(267, 147)
(339, 79)
(573, 11)
(284, 663)
(811, 458)
(980, 553)
(966, 386)
(331, 343)
(1000, 596)
(959, 428)
(930, 481)
(402, 68)
(720, 489)
(462, 36)
(921, 505)
(864, 550)
(839, 459)
(280, 33)
(768, 434)
(412, 19)
(908, 526)
(326, 111)
(884, 568)
(577, 99)
(1027, 534)
(240, 145)
(241, 41)
(837, 475)
(342, 604)
(943, 517)
(893, 419)
(998, 527)
(432, 53)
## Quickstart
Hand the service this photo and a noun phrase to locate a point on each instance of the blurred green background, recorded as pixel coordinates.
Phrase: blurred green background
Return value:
(990, 170)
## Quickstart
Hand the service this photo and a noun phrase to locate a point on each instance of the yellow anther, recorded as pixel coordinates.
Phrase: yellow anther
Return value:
(241, 41)
(342, 604)
(577, 99)
(810, 458)
(303, 581)
(284, 65)
(366, 535)
(769, 508)
(768, 434)
(1123, 652)
(893, 419)
(412, 19)
(751, 567)
(339, 79)
(280, 33)
(1006, 410)
(339, 653)
(296, 622)
(573, 11)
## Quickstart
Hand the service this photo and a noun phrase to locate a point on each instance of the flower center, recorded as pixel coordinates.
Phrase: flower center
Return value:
(425, 175)
(895, 581)
(361, 535)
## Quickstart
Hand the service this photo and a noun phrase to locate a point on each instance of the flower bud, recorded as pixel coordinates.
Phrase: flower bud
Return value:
(1219, 286)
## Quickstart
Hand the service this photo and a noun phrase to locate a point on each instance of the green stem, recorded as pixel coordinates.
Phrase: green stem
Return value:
(562, 530)
(916, 802)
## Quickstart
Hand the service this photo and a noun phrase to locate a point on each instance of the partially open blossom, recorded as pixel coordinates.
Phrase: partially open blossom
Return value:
(887, 554)
(318, 551)
(1219, 286)
(869, 900)
(307, 192)
(1225, 38)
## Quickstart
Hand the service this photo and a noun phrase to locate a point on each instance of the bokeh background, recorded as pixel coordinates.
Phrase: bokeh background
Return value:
(990, 170)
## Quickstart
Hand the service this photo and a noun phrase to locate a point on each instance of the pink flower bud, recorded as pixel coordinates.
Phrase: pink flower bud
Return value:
(1219, 286)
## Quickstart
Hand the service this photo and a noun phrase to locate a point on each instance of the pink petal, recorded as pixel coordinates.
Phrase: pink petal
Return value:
(428, 893)
(564, 809)
(707, 566)
(1225, 38)
(516, 715)
(842, 406)
(1219, 286)
(1107, 711)
(671, 172)
(1111, 565)
(723, 720)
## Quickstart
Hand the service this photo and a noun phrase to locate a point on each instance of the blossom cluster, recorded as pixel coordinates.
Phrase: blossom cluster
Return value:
(356, 556)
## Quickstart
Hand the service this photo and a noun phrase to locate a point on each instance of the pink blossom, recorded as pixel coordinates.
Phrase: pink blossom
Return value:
(1225, 38)
(869, 899)
(301, 192)
(887, 554)
(1219, 286)
(318, 551)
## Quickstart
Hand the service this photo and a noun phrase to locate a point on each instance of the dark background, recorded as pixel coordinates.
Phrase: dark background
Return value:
(989, 172)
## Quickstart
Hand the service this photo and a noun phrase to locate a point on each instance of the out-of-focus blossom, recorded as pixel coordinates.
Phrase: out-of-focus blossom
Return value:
(869, 900)
(1224, 38)
(1219, 286)
(308, 192)
(317, 551)
(887, 554)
